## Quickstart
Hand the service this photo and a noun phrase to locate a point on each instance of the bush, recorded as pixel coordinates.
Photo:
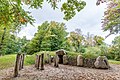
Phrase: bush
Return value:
(104, 50)
(72, 53)
(91, 52)
(90, 55)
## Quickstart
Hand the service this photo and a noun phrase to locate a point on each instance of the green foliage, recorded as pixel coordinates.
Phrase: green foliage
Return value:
(69, 53)
(98, 40)
(13, 15)
(104, 50)
(90, 40)
(71, 6)
(13, 44)
(49, 37)
(90, 55)
(75, 41)
(92, 52)
(114, 50)
(111, 21)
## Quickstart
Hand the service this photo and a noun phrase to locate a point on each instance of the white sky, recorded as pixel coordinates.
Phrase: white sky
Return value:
(88, 20)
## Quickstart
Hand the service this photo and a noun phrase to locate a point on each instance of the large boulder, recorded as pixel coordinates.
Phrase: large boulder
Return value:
(65, 59)
(102, 62)
(80, 60)
(60, 52)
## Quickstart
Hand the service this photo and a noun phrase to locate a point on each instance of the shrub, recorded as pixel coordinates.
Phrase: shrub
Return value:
(90, 55)
(91, 52)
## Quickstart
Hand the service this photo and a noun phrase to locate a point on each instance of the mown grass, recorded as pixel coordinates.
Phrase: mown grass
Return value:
(9, 60)
(114, 62)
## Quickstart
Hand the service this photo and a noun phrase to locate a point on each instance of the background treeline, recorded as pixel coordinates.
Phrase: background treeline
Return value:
(52, 36)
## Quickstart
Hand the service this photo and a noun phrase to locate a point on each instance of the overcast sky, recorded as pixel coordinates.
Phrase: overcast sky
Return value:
(88, 20)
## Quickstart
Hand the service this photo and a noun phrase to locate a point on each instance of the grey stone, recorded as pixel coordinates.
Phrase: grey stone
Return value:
(52, 58)
(101, 62)
(60, 52)
(65, 59)
(56, 61)
(79, 60)
(49, 58)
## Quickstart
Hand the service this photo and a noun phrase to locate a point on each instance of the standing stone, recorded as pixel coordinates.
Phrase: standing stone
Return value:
(20, 64)
(36, 60)
(52, 58)
(23, 57)
(42, 62)
(80, 61)
(16, 69)
(49, 58)
(60, 52)
(65, 59)
(56, 61)
(101, 62)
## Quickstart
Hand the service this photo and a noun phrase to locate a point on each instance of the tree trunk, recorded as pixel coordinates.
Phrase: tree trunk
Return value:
(2, 39)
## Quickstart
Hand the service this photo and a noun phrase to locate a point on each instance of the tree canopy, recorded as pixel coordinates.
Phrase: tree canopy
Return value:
(13, 15)
(111, 21)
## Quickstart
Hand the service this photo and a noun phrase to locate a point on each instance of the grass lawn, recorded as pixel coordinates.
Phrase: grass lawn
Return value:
(114, 62)
(9, 60)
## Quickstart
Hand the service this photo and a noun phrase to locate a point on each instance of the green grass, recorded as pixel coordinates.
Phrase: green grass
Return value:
(114, 62)
(9, 60)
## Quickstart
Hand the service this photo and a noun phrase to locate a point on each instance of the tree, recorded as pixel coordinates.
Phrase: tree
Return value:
(98, 40)
(50, 36)
(13, 14)
(12, 17)
(75, 40)
(88, 40)
(111, 21)
(114, 50)
(13, 44)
